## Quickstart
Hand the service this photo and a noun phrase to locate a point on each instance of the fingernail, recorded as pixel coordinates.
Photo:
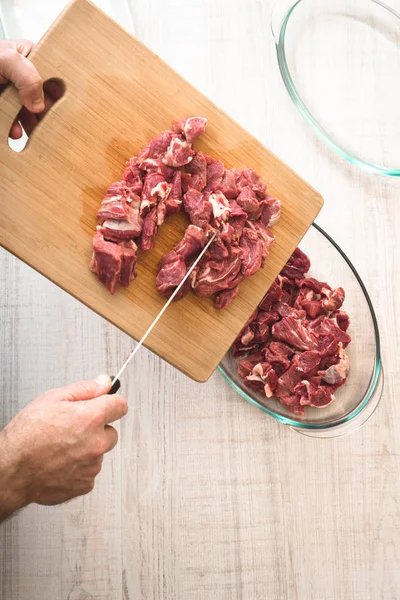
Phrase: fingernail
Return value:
(103, 379)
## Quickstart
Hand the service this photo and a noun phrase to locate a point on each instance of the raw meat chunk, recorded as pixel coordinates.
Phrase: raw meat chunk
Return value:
(198, 208)
(172, 271)
(252, 250)
(167, 174)
(226, 297)
(294, 345)
(157, 147)
(113, 263)
(196, 173)
(149, 233)
(133, 175)
(215, 173)
(191, 127)
(128, 263)
(123, 229)
(179, 153)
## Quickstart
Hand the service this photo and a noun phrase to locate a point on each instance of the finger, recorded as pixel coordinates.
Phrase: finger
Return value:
(85, 390)
(111, 437)
(94, 467)
(16, 131)
(48, 103)
(23, 46)
(111, 408)
(22, 73)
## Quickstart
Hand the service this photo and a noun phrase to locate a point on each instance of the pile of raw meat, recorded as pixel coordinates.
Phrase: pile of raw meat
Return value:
(294, 343)
(169, 174)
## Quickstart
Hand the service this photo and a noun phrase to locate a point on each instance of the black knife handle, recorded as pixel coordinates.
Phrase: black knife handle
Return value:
(115, 386)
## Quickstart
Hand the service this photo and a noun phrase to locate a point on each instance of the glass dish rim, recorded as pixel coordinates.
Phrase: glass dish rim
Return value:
(374, 379)
(280, 37)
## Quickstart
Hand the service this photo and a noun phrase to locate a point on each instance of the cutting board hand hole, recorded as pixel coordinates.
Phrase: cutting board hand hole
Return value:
(54, 89)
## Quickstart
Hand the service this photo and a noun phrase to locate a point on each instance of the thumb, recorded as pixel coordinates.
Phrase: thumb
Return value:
(21, 72)
(85, 390)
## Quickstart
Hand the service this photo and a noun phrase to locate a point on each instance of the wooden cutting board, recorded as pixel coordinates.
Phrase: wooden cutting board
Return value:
(118, 96)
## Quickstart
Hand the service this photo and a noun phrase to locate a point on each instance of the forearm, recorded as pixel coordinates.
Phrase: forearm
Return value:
(12, 488)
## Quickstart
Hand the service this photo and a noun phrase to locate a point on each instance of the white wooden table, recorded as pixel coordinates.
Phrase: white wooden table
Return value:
(205, 497)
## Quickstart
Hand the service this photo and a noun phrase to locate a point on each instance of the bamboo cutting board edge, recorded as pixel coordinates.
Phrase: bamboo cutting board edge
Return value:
(152, 343)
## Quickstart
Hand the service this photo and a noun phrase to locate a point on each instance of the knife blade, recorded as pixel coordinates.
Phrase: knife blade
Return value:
(115, 385)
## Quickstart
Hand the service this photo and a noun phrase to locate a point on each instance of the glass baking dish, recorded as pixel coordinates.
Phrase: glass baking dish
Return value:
(357, 399)
(340, 62)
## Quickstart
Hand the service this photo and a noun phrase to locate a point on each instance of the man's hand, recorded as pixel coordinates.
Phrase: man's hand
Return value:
(53, 449)
(17, 69)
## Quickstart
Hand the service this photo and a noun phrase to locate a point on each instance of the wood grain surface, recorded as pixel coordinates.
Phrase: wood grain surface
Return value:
(205, 497)
(118, 96)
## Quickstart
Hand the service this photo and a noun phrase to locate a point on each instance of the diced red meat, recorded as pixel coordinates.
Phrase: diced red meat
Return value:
(246, 365)
(252, 250)
(179, 153)
(337, 373)
(191, 127)
(215, 276)
(297, 265)
(192, 243)
(169, 173)
(264, 374)
(157, 147)
(217, 251)
(261, 326)
(198, 208)
(113, 263)
(133, 175)
(174, 201)
(309, 360)
(342, 319)
(335, 300)
(228, 184)
(150, 193)
(115, 204)
(224, 298)
(237, 219)
(268, 211)
(156, 165)
(273, 295)
(215, 173)
(285, 310)
(106, 261)
(249, 178)
(118, 230)
(221, 208)
(196, 173)
(248, 200)
(279, 355)
(171, 274)
(312, 393)
(115, 207)
(227, 233)
(149, 232)
(324, 326)
(293, 332)
(128, 263)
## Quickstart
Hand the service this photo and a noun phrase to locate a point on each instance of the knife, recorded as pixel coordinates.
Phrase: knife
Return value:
(115, 385)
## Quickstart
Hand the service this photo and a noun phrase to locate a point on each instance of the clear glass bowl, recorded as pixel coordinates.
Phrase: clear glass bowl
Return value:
(340, 62)
(357, 399)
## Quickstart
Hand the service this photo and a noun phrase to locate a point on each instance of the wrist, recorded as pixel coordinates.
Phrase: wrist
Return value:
(13, 489)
